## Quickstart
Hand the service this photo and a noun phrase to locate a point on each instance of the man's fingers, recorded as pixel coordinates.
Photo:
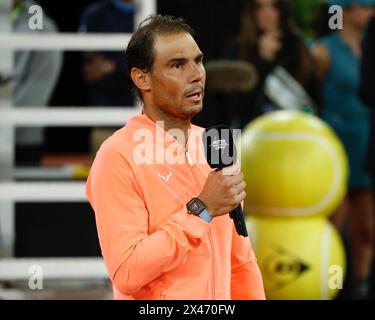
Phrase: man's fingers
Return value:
(232, 170)
(238, 188)
(237, 179)
(240, 197)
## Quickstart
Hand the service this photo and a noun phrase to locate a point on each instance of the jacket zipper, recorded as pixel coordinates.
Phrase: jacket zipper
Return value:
(190, 162)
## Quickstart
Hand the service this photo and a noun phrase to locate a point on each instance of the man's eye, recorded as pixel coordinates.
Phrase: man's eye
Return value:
(177, 65)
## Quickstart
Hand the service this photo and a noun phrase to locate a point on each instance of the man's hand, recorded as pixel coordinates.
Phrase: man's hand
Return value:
(223, 191)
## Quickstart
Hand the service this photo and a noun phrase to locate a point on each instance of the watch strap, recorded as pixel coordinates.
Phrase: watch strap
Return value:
(205, 216)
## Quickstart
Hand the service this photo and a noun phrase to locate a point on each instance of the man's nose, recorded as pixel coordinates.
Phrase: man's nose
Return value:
(197, 72)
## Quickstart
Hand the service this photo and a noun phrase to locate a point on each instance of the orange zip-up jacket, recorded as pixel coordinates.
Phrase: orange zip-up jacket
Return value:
(152, 247)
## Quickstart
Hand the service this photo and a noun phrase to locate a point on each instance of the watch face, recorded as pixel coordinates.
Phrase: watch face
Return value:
(195, 206)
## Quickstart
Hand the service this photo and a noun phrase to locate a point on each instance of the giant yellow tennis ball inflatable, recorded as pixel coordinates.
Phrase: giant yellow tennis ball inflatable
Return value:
(299, 258)
(294, 165)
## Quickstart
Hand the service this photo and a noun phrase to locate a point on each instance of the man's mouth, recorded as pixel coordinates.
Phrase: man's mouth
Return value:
(195, 95)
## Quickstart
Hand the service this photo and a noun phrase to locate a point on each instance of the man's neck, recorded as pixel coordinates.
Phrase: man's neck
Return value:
(170, 122)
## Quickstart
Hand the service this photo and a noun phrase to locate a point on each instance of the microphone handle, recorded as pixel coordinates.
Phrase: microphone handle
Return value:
(239, 221)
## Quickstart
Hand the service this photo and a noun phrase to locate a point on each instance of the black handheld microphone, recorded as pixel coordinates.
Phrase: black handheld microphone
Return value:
(221, 152)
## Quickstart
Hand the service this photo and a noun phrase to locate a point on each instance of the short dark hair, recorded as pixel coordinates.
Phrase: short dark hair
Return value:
(140, 51)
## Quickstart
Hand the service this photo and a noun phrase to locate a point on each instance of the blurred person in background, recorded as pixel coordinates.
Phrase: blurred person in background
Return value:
(338, 55)
(367, 90)
(107, 81)
(35, 76)
(367, 93)
(269, 37)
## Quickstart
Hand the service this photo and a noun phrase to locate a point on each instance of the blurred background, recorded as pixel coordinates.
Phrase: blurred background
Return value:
(64, 89)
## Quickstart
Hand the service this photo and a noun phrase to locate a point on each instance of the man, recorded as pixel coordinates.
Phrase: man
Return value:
(161, 213)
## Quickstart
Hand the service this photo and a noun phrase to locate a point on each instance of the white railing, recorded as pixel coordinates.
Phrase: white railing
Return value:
(52, 268)
(64, 41)
(67, 116)
(43, 191)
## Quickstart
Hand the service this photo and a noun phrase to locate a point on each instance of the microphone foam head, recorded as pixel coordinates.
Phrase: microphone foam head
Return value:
(219, 146)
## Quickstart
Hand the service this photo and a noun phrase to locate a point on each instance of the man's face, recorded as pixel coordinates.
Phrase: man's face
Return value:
(178, 76)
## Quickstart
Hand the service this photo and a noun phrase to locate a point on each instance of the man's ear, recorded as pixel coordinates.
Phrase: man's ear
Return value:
(141, 79)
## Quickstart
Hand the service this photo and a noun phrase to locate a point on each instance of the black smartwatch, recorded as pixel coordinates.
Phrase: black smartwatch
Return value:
(197, 207)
